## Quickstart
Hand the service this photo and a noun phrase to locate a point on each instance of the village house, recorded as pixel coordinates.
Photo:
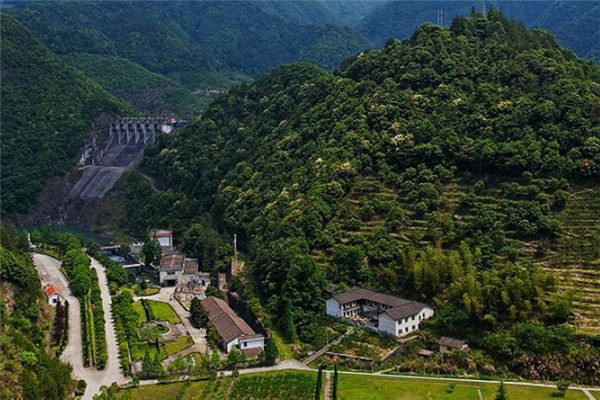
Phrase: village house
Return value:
(170, 268)
(164, 237)
(382, 312)
(233, 330)
(54, 295)
(448, 345)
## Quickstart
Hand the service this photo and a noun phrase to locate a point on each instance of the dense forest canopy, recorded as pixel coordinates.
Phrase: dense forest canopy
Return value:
(574, 23)
(485, 105)
(48, 111)
(189, 40)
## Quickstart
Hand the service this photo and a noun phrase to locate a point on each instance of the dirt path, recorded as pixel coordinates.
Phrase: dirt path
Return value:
(49, 271)
(327, 388)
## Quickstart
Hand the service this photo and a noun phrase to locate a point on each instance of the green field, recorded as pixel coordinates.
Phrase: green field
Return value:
(164, 312)
(362, 387)
(299, 385)
(175, 346)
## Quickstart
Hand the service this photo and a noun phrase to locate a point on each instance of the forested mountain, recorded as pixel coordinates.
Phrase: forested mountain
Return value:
(26, 370)
(188, 40)
(48, 110)
(144, 90)
(574, 23)
(440, 168)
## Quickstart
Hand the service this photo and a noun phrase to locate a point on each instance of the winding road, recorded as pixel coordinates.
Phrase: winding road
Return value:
(49, 271)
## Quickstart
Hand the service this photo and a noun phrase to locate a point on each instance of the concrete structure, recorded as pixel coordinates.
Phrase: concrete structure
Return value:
(164, 237)
(381, 312)
(140, 130)
(120, 256)
(448, 345)
(233, 330)
(54, 295)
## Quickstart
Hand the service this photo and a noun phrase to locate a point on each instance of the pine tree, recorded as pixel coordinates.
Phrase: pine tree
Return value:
(319, 386)
(501, 393)
(147, 367)
(157, 367)
(335, 382)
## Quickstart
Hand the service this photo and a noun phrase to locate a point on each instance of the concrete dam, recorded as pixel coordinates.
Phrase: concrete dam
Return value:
(126, 142)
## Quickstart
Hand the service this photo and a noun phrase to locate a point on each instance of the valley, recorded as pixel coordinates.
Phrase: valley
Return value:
(300, 200)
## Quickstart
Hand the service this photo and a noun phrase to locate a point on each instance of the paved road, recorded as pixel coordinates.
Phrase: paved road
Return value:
(49, 271)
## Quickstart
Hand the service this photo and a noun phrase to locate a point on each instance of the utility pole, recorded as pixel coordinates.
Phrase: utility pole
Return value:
(235, 248)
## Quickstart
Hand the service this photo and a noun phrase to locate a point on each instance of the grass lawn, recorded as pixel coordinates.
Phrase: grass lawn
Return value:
(175, 346)
(148, 291)
(362, 387)
(285, 353)
(139, 309)
(164, 312)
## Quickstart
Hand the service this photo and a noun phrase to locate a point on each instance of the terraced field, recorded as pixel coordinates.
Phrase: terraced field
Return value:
(574, 256)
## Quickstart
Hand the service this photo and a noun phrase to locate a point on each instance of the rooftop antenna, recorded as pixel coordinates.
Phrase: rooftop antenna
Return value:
(442, 16)
(483, 2)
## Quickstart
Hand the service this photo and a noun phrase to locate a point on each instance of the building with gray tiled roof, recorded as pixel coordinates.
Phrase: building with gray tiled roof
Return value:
(383, 312)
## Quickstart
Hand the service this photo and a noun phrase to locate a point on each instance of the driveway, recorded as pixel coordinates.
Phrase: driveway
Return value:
(49, 272)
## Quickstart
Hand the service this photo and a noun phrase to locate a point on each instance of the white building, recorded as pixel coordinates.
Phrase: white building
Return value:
(385, 313)
(233, 330)
(171, 268)
(53, 294)
(164, 237)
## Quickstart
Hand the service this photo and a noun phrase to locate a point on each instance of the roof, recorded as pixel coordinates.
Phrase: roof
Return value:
(399, 307)
(50, 290)
(357, 293)
(171, 262)
(162, 232)
(253, 352)
(451, 342)
(190, 266)
(225, 320)
(425, 353)
(405, 310)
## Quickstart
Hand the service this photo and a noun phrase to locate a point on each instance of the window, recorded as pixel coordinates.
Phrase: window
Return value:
(245, 344)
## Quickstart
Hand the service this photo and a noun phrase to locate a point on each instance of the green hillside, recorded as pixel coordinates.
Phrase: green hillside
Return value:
(144, 90)
(185, 40)
(574, 23)
(27, 371)
(48, 110)
(447, 169)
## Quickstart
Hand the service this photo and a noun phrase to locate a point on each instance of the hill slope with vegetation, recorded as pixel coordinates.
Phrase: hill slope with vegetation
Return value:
(27, 371)
(143, 90)
(446, 169)
(190, 42)
(574, 23)
(48, 111)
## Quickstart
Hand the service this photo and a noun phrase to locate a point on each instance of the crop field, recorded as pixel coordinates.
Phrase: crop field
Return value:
(298, 385)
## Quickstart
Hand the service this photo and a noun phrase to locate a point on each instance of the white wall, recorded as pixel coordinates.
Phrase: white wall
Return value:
(55, 299)
(333, 307)
(253, 343)
(165, 241)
